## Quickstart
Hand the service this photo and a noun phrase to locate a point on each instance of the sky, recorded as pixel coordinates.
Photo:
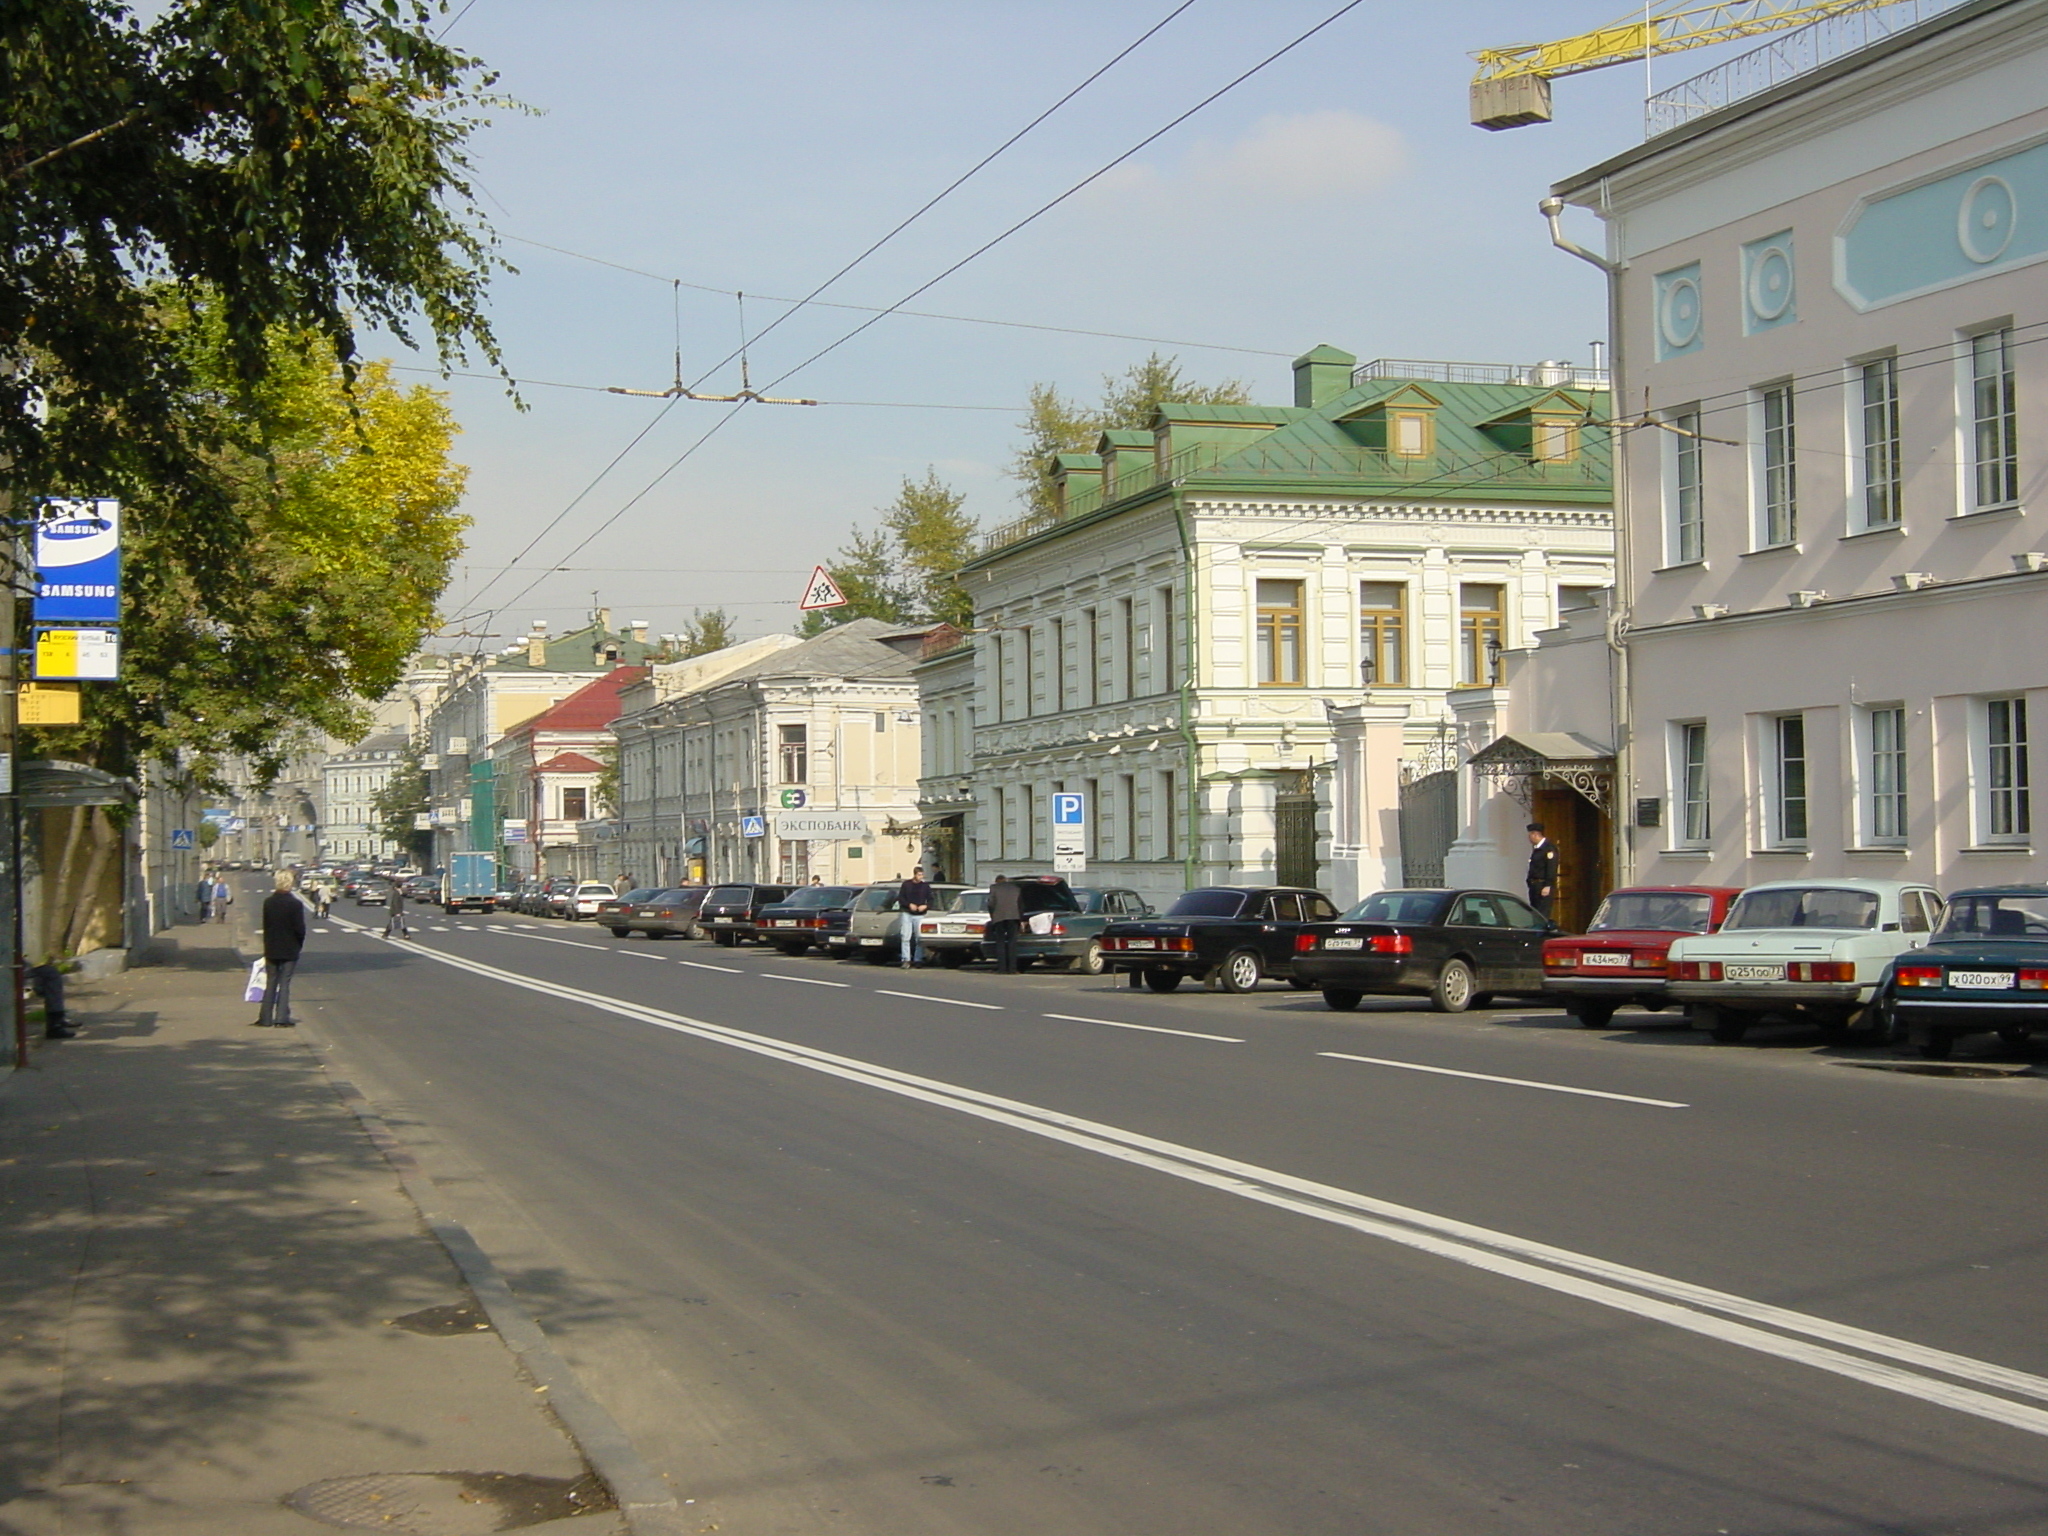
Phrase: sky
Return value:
(1337, 196)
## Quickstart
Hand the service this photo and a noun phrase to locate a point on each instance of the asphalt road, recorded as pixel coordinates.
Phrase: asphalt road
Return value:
(853, 1248)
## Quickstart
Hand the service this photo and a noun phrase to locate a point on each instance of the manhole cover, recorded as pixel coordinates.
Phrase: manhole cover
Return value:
(1941, 1068)
(441, 1322)
(448, 1503)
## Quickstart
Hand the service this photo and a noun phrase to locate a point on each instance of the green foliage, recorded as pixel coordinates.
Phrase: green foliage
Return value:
(903, 571)
(604, 794)
(208, 833)
(1055, 424)
(706, 631)
(404, 796)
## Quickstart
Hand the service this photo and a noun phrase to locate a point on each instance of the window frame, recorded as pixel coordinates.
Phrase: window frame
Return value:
(2005, 810)
(793, 752)
(1886, 796)
(1789, 803)
(1475, 668)
(2002, 420)
(1690, 774)
(1280, 633)
(1775, 415)
(1383, 632)
(1877, 459)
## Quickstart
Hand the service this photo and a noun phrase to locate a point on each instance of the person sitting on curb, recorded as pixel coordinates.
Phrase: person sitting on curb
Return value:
(284, 937)
(48, 981)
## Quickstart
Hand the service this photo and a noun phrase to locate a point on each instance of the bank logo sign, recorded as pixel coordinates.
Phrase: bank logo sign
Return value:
(78, 562)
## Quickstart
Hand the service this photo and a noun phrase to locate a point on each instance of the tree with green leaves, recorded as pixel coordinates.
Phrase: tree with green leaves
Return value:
(903, 571)
(403, 797)
(705, 631)
(1055, 424)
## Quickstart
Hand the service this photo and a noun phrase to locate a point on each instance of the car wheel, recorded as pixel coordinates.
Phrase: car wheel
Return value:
(2016, 1038)
(1089, 961)
(1240, 971)
(622, 933)
(1453, 990)
(1937, 1046)
(1593, 1015)
(1343, 999)
(1162, 981)
(792, 950)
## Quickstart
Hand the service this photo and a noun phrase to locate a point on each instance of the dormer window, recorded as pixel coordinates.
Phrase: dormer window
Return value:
(1412, 436)
(1553, 440)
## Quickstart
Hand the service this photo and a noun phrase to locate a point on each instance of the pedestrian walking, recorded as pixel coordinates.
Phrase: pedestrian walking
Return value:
(394, 915)
(913, 899)
(1542, 869)
(205, 896)
(223, 898)
(1005, 917)
(284, 937)
(323, 898)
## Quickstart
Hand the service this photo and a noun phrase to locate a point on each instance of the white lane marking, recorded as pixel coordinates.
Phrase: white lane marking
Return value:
(730, 970)
(541, 938)
(809, 981)
(1514, 1082)
(926, 997)
(1153, 1029)
(637, 954)
(440, 927)
(1639, 1292)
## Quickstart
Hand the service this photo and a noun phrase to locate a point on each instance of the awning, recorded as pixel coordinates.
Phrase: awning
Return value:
(46, 782)
(1518, 763)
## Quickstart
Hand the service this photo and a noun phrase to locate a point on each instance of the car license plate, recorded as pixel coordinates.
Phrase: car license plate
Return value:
(721, 919)
(1983, 981)
(1343, 943)
(647, 912)
(780, 922)
(1603, 957)
(1753, 972)
(1141, 943)
(876, 942)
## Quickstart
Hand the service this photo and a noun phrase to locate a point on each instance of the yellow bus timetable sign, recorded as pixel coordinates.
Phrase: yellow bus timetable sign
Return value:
(49, 704)
(92, 655)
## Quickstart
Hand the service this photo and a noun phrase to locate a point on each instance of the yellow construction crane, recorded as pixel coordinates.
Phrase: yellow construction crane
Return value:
(1512, 88)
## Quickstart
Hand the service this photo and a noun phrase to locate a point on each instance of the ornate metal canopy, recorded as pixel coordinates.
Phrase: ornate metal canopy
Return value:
(1518, 764)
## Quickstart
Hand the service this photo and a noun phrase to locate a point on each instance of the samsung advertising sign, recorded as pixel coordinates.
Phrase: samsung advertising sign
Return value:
(78, 562)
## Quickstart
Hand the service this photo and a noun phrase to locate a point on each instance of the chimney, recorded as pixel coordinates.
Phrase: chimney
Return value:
(603, 616)
(639, 628)
(537, 644)
(1321, 376)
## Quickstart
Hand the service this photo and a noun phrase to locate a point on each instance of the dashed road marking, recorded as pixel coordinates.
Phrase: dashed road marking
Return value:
(809, 981)
(1151, 1029)
(926, 997)
(702, 965)
(1512, 1082)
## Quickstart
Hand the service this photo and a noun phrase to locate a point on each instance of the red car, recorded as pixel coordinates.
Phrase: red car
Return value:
(1621, 958)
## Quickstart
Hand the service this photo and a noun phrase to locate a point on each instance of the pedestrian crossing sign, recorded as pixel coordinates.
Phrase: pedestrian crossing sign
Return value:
(823, 592)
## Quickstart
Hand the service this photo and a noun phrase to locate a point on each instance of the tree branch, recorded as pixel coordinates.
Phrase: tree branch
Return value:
(79, 143)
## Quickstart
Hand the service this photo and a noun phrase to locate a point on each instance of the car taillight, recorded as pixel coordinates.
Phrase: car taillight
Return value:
(1649, 960)
(1304, 942)
(1184, 945)
(1560, 960)
(2033, 980)
(1059, 930)
(1393, 944)
(1696, 970)
(1918, 976)
(1820, 970)
(927, 927)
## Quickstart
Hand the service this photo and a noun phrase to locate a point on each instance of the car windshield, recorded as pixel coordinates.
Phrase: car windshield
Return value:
(1207, 904)
(1671, 911)
(743, 894)
(971, 901)
(880, 898)
(1804, 906)
(820, 896)
(2011, 915)
(1399, 907)
(640, 895)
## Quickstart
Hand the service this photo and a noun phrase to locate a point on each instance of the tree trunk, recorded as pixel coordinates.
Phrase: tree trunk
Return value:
(59, 894)
(88, 905)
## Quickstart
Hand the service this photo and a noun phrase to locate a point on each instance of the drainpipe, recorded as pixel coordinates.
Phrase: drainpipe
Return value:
(1620, 609)
(1191, 857)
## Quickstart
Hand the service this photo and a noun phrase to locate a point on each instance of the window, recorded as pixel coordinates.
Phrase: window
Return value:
(1030, 672)
(2008, 799)
(794, 741)
(575, 804)
(1879, 459)
(1383, 633)
(793, 863)
(1058, 663)
(1167, 837)
(1280, 641)
(1095, 688)
(1689, 789)
(1411, 437)
(1482, 611)
(1788, 774)
(1553, 440)
(1169, 651)
(881, 720)
(1779, 522)
(1127, 624)
(1887, 769)
(1127, 811)
(1994, 424)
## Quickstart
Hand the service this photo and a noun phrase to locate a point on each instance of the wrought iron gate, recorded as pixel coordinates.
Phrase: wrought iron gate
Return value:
(1294, 828)
(1429, 821)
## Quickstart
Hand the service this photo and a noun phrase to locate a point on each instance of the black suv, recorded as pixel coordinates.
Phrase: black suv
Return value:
(731, 913)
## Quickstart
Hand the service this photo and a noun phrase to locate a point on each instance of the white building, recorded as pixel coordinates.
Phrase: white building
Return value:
(1242, 621)
(351, 780)
(1834, 573)
(801, 761)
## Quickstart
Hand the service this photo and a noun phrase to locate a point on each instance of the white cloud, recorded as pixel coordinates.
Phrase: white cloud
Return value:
(1297, 158)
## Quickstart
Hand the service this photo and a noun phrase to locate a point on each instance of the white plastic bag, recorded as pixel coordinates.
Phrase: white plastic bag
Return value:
(1039, 922)
(253, 993)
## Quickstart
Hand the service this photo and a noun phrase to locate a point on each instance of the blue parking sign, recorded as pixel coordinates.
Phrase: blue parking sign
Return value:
(1069, 810)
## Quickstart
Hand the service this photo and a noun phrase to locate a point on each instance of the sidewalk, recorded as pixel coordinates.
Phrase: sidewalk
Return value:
(219, 1295)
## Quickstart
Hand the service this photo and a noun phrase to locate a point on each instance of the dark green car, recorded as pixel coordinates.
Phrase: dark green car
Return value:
(1985, 971)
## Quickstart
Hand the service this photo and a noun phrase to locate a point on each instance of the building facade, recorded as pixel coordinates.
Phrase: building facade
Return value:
(1173, 644)
(351, 780)
(548, 778)
(1833, 570)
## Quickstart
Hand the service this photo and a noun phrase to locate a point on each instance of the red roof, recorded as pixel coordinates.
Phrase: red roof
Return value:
(590, 708)
(570, 762)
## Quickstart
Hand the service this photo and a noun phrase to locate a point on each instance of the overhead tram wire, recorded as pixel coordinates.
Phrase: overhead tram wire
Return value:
(682, 392)
(981, 250)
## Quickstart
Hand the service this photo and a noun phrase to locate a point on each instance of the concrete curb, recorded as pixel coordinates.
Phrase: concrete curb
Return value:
(647, 1502)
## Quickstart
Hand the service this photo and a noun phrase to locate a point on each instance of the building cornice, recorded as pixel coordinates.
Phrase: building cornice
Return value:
(1868, 602)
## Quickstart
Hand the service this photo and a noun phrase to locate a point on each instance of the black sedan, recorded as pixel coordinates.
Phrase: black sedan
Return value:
(1985, 970)
(1456, 948)
(807, 916)
(1231, 936)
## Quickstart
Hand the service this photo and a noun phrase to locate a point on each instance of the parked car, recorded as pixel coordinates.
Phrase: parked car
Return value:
(1232, 936)
(579, 899)
(805, 917)
(1076, 937)
(1810, 950)
(957, 935)
(548, 899)
(666, 914)
(1984, 969)
(372, 893)
(874, 929)
(1623, 956)
(729, 911)
(1458, 948)
(612, 911)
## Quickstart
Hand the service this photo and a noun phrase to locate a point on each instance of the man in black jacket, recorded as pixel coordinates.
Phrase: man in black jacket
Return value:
(284, 936)
(913, 899)
(1005, 917)
(1542, 869)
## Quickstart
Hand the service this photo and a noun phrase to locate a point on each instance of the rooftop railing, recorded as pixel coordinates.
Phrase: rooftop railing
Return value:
(1555, 375)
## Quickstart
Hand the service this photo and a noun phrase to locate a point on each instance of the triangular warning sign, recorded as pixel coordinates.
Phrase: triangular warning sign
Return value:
(823, 592)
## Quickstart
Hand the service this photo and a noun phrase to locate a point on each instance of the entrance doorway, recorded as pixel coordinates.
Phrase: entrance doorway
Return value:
(1579, 828)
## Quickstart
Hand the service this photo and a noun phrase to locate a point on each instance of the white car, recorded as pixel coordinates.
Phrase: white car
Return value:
(1812, 950)
(582, 902)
